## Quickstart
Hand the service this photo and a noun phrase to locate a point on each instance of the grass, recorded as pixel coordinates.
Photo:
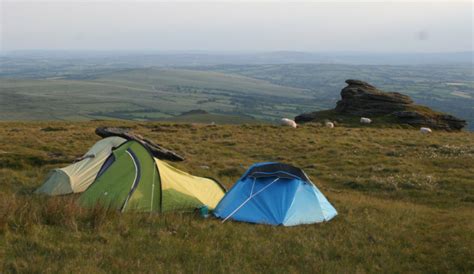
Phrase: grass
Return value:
(405, 203)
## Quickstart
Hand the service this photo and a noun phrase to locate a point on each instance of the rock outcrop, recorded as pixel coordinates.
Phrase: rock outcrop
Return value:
(362, 99)
(436, 121)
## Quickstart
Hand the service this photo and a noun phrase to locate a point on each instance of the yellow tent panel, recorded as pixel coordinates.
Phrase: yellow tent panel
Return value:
(207, 191)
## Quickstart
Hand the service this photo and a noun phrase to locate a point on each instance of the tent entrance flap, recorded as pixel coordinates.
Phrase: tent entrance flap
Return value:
(250, 197)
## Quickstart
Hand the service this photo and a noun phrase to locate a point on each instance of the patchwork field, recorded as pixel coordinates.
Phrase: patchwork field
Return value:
(148, 94)
(405, 203)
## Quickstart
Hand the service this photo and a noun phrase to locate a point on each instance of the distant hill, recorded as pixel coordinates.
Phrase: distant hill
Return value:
(133, 59)
(207, 81)
(148, 94)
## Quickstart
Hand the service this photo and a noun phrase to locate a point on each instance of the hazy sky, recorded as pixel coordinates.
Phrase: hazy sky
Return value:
(380, 26)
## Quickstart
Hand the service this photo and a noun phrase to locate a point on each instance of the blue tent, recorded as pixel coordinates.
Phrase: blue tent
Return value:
(276, 194)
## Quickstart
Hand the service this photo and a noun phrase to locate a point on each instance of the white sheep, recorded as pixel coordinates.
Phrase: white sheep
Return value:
(288, 122)
(329, 124)
(364, 120)
(425, 130)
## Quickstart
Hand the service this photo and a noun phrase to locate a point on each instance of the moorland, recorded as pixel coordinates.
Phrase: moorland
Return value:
(405, 202)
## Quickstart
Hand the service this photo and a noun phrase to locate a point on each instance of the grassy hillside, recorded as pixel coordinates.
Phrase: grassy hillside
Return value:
(148, 94)
(207, 80)
(405, 203)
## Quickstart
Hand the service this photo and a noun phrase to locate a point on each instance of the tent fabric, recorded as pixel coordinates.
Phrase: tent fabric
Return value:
(133, 180)
(58, 182)
(276, 194)
(130, 182)
(195, 190)
(79, 176)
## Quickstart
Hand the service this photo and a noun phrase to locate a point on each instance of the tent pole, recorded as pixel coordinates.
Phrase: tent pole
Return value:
(249, 198)
(134, 181)
(153, 187)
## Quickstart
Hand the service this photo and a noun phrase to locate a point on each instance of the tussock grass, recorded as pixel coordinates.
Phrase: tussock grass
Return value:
(405, 203)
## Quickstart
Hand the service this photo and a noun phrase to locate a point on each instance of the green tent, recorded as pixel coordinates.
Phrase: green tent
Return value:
(131, 179)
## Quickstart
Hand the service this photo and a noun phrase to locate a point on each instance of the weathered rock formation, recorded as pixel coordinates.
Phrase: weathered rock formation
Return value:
(362, 99)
